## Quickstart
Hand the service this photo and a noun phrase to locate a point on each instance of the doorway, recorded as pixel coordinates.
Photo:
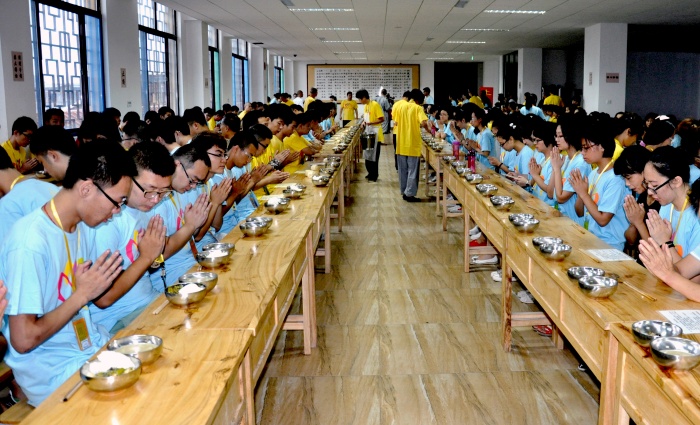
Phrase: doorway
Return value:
(454, 78)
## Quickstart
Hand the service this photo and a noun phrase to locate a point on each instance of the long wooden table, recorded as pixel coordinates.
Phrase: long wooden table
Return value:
(585, 322)
(214, 352)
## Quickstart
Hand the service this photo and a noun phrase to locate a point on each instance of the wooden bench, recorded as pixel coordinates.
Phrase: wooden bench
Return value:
(16, 413)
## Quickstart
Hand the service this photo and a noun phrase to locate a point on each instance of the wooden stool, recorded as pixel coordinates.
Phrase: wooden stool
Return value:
(16, 413)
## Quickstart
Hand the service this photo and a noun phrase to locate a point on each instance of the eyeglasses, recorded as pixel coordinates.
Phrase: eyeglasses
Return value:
(654, 190)
(27, 135)
(117, 205)
(219, 155)
(151, 194)
(192, 181)
(587, 147)
(248, 154)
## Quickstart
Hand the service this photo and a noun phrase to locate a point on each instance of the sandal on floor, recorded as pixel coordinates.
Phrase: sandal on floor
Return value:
(543, 330)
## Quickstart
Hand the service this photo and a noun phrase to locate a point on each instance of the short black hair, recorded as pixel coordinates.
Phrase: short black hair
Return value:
(151, 116)
(5, 161)
(165, 129)
(191, 153)
(296, 107)
(597, 133)
(112, 112)
(628, 120)
(153, 157)
(52, 138)
(362, 94)
(417, 96)
(53, 112)
(164, 110)
(206, 141)
(251, 118)
(105, 163)
(632, 160)
(260, 132)
(658, 132)
(131, 116)
(232, 121)
(243, 140)
(23, 124)
(426, 89)
(407, 95)
(181, 125)
(305, 118)
(194, 115)
(313, 90)
(670, 163)
(545, 131)
(134, 127)
(279, 110)
(571, 130)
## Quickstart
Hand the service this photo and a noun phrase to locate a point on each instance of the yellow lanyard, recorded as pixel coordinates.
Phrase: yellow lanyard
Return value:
(670, 219)
(569, 163)
(182, 218)
(592, 187)
(57, 219)
(15, 181)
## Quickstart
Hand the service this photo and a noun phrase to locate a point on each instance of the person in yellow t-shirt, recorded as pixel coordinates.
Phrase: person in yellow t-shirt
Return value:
(349, 108)
(246, 108)
(552, 98)
(296, 143)
(475, 100)
(410, 117)
(285, 99)
(374, 117)
(312, 96)
(16, 145)
(394, 108)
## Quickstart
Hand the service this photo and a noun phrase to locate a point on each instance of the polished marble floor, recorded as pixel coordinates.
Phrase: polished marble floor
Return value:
(405, 337)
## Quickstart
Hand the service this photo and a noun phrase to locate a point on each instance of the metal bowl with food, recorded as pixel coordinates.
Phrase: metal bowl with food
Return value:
(474, 178)
(675, 353)
(327, 171)
(297, 187)
(320, 180)
(526, 225)
(457, 164)
(213, 258)
(106, 374)
(224, 246)
(184, 294)
(486, 189)
(646, 331)
(253, 228)
(520, 216)
(276, 205)
(208, 279)
(597, 286)
(291, 194)
(581, 271)
(146, 348)
(449, 158)
(555, 251)
(502, 203)
(543, 240)
(260, 220)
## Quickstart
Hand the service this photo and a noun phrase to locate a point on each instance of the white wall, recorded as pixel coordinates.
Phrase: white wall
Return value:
(16, 97)
(529, 72)
(492, 77)
(121, 41)
(289, 76)
(195, 64)
(605, 51)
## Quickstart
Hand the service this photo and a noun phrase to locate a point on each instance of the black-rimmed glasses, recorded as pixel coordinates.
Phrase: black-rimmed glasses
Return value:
(151, 194)
(116, 204)
(654, 190)
(191, 180)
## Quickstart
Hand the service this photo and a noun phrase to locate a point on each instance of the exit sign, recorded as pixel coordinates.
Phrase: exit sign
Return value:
(612, 77)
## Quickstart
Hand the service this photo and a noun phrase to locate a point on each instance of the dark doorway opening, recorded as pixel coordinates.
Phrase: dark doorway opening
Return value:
(454, 78)
(510, 75)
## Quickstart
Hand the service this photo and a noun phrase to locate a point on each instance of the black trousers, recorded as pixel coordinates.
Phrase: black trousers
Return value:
(396, 158)
(373, 166)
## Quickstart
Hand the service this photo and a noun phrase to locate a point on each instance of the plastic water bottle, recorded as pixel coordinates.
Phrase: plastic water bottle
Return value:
(471, 160)
(455, 149)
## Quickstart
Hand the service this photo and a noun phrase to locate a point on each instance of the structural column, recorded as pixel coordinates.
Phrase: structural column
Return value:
(605, 68)
(225, 59)
(529, 73)
(195, 63)
(257, 74)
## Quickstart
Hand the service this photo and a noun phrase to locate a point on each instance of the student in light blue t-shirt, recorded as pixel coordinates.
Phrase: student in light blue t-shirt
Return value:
(510, 139)
(601, 194)
(52, 272)
(182, 217)
(530, 109)
(484, 143)
(659, 261)
(568, 136)
(541, 173)
(140, 240)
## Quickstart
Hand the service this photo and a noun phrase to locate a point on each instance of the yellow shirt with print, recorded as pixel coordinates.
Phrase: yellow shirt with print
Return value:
(349, 108)
(376, 112)
(275, 146)
(408, 137)
(17, 156)
(295, 143)
(477, 101)
(307, 102)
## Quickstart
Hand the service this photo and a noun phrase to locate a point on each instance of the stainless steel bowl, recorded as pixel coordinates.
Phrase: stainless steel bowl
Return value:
(526, 225)
(337, 150)
(456, 164)
(520, 216)
(598, 286)
(291, 194)
(675, 353)
(543, 240)
(219, 245)
(276, 205)
(449, 158)
(474, 178)
(555, 251)
(209, 279)
(110, 383)
(146, 348)
(253, 228)
(502, 203)
(213, 258)
(646, 331)
(297, 187)
(579, 272)
(486, 189)
(173, 295)
(320, 180)
(327, 171)
(260, 220)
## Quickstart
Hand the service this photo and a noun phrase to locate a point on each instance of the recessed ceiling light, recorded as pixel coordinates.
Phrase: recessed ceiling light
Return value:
(341, 41)
(349, 53)
(484, 29)
(334, 29)
(448, 53)
(438, 58)
(465, 42)
(318, 9)
(525, 12)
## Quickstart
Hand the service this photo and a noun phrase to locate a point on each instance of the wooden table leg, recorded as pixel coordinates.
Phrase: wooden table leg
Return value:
(609, 402)
(440, 196)
(341, 202)
(466, 239)
(327, 242)
(557, 337)
(310, 275)
(444, 203)
(506, 303)
(249, 387)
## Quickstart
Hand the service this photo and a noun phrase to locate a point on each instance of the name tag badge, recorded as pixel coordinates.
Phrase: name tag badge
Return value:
(81, 331)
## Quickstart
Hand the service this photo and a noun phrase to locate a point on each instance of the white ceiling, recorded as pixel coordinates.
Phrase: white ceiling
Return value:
(398, 30)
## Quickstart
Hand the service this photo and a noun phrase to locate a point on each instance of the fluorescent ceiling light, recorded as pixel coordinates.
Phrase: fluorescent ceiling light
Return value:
(484, 29)
(448, 53)
(348, 53)
(465, 42)
(319, 9)
(438, 58)
(341, 41)
(334, 29)
(525, 12)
